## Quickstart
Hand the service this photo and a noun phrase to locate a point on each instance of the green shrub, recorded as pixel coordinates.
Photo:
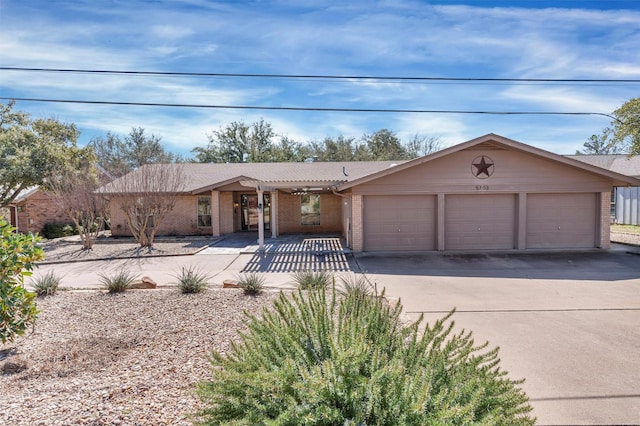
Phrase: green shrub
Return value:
(191, 280)
(58, 230)
(18, 254)
(309, 280)
(47, 285)
(118, 283)
(252, 283)
(318, 358)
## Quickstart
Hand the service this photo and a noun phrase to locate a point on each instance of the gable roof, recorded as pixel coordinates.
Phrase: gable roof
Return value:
(201, 177)
(496, 141)
(619, 163)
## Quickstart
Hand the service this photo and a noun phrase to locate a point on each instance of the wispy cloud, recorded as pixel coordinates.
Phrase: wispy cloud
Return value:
(407, 38)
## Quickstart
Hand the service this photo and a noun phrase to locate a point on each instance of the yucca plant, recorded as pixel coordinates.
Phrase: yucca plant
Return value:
(252, 283)
(47, 285)
(319, 358)
(121, 281)
(357, 285)
(309, 280)
(191, 280)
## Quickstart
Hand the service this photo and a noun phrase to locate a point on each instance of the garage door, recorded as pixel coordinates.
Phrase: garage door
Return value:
(561, 220)
(478, 222)
(399, 222)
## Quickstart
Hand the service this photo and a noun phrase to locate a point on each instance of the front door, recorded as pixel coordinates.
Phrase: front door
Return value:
(249, 204)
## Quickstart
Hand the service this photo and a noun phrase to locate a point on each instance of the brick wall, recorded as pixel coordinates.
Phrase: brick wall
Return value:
(182, 220)
(226, 213)
(289, 219)
(357, 240)
(37, 210)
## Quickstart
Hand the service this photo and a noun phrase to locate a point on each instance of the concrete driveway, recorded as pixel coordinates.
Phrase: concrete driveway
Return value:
(569, 323)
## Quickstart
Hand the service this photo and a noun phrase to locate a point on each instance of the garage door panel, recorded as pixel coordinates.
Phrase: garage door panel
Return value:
(485, 221)
(399, 222)
(561, 220)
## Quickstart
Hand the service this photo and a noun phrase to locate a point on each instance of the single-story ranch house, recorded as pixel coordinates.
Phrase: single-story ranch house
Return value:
(490, 193)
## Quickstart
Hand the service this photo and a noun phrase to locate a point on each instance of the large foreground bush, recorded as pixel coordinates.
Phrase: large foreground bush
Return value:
(18, 309)
(325, 359)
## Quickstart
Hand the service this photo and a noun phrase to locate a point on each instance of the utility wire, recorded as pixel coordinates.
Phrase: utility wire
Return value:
(324, 77)
(293, 108)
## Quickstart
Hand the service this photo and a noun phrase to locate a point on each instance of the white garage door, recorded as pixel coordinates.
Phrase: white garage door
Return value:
(399, 222)
(478, 222)
(561, 220)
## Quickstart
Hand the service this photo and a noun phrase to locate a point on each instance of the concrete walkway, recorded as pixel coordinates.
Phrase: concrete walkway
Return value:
(225, 260)
(567, 322)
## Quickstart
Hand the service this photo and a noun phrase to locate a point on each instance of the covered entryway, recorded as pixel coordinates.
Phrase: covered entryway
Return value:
(399, 222)
(562, 220)
(482, 221)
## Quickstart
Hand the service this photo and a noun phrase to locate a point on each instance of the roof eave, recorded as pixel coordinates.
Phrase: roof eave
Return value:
(617, 178)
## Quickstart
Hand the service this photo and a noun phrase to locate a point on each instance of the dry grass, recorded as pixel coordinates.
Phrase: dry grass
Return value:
(626, 229)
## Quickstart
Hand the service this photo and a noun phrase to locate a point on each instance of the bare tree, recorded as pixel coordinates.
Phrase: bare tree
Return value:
(84, 207)
(146, 195)
(421, 145)
(74, 189)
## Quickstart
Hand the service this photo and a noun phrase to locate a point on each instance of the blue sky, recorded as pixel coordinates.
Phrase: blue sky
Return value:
(485, 39)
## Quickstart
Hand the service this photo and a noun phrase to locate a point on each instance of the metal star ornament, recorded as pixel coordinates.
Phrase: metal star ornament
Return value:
(482, 167)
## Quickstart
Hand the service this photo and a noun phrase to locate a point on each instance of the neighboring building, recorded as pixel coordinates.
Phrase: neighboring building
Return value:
(487, 193)
(625, 201)
(33, 208)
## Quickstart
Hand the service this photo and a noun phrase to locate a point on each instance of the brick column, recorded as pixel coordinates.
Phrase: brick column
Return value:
(357, 237)
(605, 220)
(215, 213)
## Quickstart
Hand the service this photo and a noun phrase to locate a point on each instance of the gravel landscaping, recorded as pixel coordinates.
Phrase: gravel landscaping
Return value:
(106, 359)
(69, 249)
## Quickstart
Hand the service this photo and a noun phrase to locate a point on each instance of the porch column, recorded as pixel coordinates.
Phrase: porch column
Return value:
(274, 214)
(357, 238)
(215, 213)
(260, 219)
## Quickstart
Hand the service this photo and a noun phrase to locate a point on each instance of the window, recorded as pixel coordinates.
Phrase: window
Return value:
(310, 209)
(204, 211)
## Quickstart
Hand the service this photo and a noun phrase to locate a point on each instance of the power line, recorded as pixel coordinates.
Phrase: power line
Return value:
(316, 109)
(318, 76)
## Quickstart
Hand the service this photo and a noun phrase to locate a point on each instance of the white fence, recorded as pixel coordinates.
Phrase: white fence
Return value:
(627, 211)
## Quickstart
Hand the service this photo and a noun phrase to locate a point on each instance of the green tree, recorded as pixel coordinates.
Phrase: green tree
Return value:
(601, 144)
(239, 143)
(338, 149)
(18, 310)
(120, 156)
(385, 145)
(288, 150)
(625, 129)
(31, 150)
(318, 358)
